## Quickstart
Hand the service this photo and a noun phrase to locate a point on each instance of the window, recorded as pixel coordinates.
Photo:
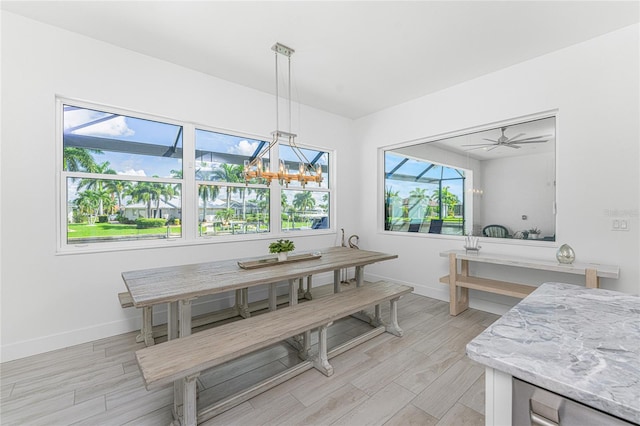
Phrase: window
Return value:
(122, 177)
(230, 206)
(305, 206)
(124, 183)
(422, 196)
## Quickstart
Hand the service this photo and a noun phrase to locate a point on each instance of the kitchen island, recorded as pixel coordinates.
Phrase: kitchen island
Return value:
(577, 342)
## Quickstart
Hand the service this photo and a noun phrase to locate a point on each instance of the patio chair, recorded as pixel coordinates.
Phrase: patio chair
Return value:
(495, 231)
(435, 227)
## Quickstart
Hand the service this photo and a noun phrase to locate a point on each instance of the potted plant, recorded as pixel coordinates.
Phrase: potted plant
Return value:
(534, 233)
(281, 247)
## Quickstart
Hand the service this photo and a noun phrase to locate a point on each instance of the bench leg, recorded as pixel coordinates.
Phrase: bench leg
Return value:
(394, 327)
(336, 281)
(321, 363)
(189, 412)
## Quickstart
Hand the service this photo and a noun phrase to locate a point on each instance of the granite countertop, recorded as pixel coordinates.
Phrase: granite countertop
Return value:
(578, 342)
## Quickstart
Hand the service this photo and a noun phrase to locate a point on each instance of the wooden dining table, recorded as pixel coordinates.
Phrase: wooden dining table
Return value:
(179, 285)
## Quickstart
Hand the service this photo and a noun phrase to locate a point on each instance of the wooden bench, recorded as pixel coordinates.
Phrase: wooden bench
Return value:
(180, 361)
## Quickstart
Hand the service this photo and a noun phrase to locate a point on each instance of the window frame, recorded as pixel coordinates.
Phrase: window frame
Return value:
(189, 195)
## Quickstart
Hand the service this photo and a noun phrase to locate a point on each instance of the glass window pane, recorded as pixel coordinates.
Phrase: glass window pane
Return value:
(224, 210)
(101, 142)
(304, 209)
(293, 158)
(104, 210)
(419, 192)
(220, 157)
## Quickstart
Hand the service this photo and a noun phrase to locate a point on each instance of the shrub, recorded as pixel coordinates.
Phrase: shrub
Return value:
(103, 218)
(144, 223)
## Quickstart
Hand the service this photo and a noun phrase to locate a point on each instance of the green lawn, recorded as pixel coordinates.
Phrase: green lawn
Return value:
(82, 230)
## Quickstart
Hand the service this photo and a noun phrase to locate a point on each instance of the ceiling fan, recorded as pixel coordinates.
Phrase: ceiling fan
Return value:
(512, 142)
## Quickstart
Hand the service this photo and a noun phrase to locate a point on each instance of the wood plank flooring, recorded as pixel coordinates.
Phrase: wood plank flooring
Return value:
(423, 378)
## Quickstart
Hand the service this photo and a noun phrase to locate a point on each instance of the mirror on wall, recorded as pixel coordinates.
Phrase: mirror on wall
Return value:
(497, 182)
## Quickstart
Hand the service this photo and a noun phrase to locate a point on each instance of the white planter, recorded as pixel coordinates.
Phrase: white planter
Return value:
(282, 256)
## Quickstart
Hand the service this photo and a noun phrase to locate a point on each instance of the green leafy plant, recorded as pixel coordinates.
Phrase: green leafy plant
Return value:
(535, 231)
(281, 246)
(143, 223)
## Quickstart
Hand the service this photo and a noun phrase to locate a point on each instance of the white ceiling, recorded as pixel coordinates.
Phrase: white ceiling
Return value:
(352, 57)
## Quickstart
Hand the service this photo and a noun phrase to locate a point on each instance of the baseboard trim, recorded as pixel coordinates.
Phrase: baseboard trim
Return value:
(131, 322)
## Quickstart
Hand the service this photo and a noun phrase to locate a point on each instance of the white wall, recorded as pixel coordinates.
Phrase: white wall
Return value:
(51, 301)
(594, 85)
(530, 182)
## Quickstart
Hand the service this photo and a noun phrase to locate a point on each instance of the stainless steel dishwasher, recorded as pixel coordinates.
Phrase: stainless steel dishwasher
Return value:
(534, 406)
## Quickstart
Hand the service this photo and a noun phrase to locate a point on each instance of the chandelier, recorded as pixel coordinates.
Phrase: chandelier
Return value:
(258, 167)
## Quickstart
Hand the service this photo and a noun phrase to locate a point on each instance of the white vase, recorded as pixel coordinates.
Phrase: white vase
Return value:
(282, 256)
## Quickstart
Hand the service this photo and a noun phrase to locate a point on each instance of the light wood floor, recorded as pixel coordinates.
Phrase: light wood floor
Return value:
(423, 378)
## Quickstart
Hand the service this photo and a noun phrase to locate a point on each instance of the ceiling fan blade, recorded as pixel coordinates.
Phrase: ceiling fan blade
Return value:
(493, 147)
(530, 138)
(520, 142)
(490, 140)
(511, 146)
(482, 144)
(517, 136)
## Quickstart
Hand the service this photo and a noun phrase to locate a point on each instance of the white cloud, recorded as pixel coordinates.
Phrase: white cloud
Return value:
(117, 126)
(244, 147)
(132, 172)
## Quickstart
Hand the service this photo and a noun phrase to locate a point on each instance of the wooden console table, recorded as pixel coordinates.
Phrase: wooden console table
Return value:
(460, 282)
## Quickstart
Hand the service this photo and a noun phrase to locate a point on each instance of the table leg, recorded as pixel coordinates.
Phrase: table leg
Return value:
(376, 321)
(146, 331)
(293, 293)
(458, 296)
(242, 302)
(593, 281)
(359, 276)
(272, 297)
(307, 294)
(336, 281)
(172, 320)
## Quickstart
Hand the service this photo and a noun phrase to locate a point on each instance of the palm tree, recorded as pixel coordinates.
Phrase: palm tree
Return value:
(418, 196)
(228, 173)
(88, 202)
(141, 192)
(118, 188)
(206, 193)
(303, 201)
(78, 159)
(444, 197)
(97, 184)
